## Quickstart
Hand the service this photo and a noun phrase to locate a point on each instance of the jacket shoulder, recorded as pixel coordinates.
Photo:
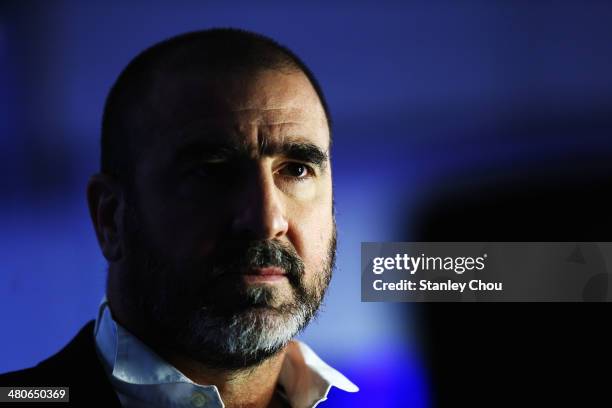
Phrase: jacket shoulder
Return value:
(58, 365)
(22, 378)
(76, 366)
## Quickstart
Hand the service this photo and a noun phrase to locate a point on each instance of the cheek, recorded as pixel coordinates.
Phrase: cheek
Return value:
(305, 191)
(311, 234)
(183, 228)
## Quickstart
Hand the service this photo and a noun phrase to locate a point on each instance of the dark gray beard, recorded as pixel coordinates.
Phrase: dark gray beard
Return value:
(201, 309)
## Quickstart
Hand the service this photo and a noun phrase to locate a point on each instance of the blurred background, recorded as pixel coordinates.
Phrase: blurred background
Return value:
(478, 120)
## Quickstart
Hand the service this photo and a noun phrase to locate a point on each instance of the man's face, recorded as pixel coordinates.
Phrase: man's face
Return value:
(230, 235)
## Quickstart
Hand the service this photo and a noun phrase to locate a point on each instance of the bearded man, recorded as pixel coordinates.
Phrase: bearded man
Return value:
(214, 209)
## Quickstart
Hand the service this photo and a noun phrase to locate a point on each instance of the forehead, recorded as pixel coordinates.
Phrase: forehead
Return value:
(245, 109)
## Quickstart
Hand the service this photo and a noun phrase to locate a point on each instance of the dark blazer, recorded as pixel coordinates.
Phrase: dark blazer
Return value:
(76, 366)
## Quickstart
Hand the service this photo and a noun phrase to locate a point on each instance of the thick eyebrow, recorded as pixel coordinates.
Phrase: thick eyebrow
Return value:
(300, 151)
(205, 150)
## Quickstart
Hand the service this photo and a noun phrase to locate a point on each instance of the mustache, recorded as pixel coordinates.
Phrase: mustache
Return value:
(237, 256)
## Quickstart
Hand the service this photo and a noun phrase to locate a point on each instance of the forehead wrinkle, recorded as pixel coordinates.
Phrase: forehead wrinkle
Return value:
(253, 135)
(261, 122)
(266, 109)
(233, 121)
(263, 142)
(211, 126)
(296, 116)
(289, 113)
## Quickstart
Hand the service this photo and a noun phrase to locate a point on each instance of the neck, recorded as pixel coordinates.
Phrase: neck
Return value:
(248, 387)
(251, 387)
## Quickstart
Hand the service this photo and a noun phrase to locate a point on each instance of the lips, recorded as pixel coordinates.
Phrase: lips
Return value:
(266, 274)
(266, 271)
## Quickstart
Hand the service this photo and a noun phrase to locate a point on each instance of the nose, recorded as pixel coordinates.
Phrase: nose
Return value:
(261, 213)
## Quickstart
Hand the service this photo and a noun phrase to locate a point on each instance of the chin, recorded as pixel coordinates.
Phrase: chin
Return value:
(243, 340)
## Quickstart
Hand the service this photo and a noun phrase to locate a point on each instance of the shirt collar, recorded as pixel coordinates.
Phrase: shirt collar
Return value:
(306, 378)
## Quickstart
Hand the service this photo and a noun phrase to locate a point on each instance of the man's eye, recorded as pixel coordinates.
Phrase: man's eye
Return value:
(210, 169)
(296, 170)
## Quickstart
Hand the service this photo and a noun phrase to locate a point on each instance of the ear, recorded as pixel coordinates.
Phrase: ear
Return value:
(106, 208)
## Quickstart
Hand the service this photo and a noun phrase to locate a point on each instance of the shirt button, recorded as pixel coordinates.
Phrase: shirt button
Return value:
(198, 399)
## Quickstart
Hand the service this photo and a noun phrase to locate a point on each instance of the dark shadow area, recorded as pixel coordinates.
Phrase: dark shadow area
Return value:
(532, 354)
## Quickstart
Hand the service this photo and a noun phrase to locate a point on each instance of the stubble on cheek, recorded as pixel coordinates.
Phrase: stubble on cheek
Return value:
(169, 289)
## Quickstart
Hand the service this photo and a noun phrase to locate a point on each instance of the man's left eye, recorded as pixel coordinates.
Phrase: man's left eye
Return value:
(296, 170)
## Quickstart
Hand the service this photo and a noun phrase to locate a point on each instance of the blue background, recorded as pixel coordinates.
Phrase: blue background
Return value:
(421, 94)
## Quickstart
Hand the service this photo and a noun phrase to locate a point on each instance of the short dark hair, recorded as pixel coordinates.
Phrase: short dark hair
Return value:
(216, 50)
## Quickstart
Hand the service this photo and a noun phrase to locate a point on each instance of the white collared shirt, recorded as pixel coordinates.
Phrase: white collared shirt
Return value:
(142, 378)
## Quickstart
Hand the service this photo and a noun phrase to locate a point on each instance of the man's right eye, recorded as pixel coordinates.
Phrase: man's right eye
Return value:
(213, 169)
(223, 173)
